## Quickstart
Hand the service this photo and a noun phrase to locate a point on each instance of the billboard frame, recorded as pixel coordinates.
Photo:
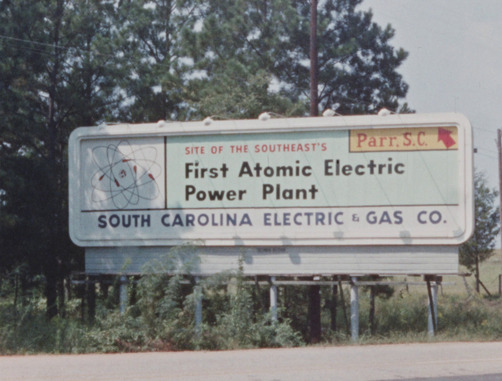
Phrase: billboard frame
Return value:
(274, 126)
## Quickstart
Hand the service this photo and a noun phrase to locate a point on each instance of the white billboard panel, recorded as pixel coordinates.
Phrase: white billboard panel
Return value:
(284, 260)
(360, 180)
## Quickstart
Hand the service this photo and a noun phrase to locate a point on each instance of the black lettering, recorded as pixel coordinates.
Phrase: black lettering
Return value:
(245, 170)
(189, 190)
(328, 166)
(102, 221)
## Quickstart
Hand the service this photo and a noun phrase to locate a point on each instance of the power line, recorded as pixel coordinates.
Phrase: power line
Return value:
(31, 42)
(40, 46)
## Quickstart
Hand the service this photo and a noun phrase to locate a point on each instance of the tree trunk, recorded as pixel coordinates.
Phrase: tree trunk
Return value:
(372, 310)
(51, 293)
(52, 268)
(91, 301)
(314, 313)
(333, 307)
(61, 293)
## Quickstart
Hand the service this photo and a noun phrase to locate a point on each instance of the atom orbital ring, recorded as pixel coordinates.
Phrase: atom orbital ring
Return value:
(125, 175)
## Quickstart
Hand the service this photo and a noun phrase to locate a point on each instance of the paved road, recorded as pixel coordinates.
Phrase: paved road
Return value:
(440, 361)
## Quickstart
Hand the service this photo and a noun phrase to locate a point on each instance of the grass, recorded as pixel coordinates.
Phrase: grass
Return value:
(455, 284)
(163, 318)
(489, 274)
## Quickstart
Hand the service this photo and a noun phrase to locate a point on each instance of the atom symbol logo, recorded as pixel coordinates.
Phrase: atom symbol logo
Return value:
(125, 176)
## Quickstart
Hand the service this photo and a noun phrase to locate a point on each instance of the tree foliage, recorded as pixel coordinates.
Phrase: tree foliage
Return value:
(55, 75)
(486, 213)
(357, 65)
(153, 42)
(69, 63)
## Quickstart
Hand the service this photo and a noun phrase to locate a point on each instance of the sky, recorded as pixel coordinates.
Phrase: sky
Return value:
(454, 63)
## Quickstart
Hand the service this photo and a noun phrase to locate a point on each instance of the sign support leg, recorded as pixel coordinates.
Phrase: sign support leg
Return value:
(123, 293)
(273, 299)
(354, 309)
(432, 291)
(198, 308)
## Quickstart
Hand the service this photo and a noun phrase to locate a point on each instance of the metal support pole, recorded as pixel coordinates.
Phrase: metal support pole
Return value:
(198, 307)
(123, 293)
(354, 310)
(432, 320)
(273, 299)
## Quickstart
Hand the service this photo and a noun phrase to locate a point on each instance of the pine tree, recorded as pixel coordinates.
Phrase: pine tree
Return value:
(55, 76)
(154, 35)
(68, 63)
(357, 65)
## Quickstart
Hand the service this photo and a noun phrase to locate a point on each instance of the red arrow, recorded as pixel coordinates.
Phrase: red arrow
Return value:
(445, 137)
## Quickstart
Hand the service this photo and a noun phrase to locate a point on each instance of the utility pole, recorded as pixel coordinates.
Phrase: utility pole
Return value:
(313, 59)
(314, 310)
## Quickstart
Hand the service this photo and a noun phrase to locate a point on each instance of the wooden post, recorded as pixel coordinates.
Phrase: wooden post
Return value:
(333, 306)
(314, 313)
(313, 59)
(314, 291)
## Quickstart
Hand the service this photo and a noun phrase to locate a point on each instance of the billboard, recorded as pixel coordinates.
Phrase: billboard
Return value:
(335, 181)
